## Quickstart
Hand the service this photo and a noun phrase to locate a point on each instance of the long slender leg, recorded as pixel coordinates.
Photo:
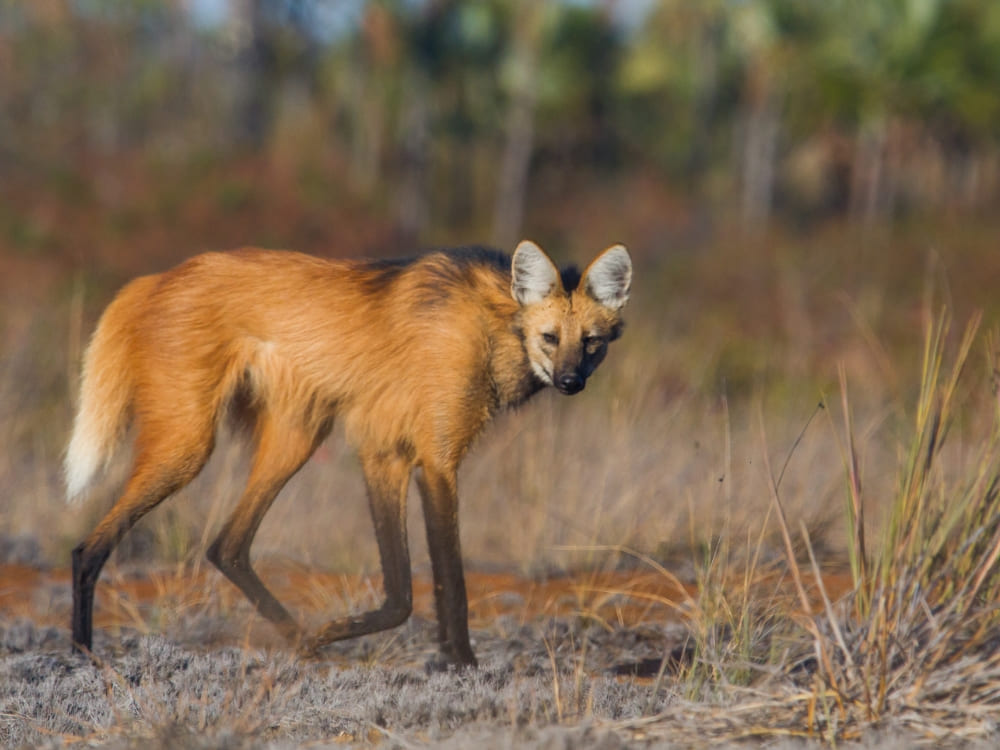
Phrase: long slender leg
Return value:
(387, 477)
(281, 450)
(440, 502)
(161, 467)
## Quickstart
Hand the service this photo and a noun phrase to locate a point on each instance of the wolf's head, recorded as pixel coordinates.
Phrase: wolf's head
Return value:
(568, 319)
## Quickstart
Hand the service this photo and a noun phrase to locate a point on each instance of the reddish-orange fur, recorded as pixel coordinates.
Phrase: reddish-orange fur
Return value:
(413, 358)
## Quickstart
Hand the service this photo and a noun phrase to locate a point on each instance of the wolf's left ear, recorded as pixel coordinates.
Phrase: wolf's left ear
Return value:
(533, 276)
(609, 277)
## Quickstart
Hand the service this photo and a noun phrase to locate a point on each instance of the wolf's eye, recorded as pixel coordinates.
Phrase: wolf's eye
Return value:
(552, 339)
(592, 343)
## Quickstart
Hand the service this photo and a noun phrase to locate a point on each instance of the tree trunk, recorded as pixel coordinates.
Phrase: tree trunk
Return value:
(760, 152)
(259, 61)
(515, 165)
(413, 198)
(867, 201)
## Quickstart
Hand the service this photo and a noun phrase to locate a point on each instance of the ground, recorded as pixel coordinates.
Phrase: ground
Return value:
(592, 659)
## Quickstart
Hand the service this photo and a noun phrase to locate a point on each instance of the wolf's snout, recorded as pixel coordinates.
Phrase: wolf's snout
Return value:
(569, 383)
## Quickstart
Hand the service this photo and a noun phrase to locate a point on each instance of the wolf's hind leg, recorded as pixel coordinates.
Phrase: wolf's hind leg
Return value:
(168, 456)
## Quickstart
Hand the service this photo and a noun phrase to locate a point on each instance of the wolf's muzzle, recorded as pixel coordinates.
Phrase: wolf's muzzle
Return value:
(570, 383)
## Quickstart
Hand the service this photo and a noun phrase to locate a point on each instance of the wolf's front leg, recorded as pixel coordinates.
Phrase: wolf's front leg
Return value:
(387, 477)
(440, 501)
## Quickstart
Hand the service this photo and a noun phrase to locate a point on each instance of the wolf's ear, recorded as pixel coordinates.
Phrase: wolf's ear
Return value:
(533, 275)
(609, 277)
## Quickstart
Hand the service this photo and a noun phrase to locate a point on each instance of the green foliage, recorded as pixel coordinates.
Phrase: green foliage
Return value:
(678, 91)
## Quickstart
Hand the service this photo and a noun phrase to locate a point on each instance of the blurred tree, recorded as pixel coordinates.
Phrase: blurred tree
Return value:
(950, 70)
(576, 91)
(520, 81)
(760, 44)
(445, 114)
(413, 205)
(371, 67)
(279, 50)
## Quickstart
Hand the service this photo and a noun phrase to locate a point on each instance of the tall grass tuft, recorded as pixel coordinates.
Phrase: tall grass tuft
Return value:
(920, 637)
(915, 646)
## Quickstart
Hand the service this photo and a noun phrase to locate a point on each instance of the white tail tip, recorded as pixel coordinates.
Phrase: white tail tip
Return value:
(82, 461)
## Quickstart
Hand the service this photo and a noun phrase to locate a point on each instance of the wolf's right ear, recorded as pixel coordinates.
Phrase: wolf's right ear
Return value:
(533, 276)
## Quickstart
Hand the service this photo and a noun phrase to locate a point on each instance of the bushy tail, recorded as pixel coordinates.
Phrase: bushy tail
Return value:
(105, 404)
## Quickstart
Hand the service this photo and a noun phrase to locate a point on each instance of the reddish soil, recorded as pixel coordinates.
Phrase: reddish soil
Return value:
(624, 598)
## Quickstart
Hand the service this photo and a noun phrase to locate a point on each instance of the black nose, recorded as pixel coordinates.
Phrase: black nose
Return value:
(569, 383)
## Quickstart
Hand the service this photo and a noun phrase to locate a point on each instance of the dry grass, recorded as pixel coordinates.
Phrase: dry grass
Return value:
(920, 636)
(624, 463)
(742, 465)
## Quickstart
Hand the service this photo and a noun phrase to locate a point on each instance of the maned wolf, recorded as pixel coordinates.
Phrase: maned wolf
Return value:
(414, 356)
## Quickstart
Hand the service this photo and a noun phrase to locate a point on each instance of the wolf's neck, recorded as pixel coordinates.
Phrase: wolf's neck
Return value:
(513, 380)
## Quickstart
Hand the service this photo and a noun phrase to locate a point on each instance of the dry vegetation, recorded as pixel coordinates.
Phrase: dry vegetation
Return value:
(771, 518)
(791, 436)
